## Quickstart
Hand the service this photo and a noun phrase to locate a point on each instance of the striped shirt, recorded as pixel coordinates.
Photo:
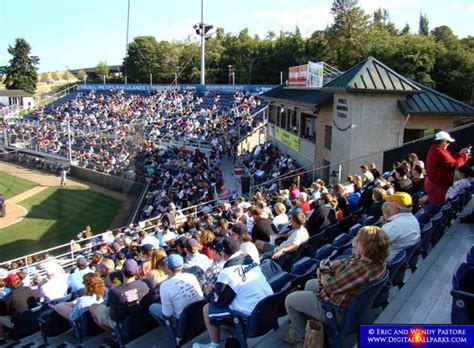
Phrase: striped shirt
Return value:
(346, 279)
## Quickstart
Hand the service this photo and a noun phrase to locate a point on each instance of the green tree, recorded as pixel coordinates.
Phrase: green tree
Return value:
(81, 75)
(406, 30)
(22, 71)
(423, 26)
(102, 70)
(445, 36)
(381, 21)
(348, 36)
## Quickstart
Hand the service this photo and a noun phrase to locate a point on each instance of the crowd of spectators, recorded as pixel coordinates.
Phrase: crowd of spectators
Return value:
(179, 260)
(108, 129)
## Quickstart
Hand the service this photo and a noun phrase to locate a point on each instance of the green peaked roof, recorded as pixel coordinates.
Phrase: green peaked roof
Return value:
(370, 76)
(431, 102)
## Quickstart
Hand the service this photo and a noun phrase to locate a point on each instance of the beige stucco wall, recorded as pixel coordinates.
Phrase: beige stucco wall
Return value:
(374, 123)
(430, 122)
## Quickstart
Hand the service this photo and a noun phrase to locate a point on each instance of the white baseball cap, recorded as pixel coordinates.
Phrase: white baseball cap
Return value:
(444, 136)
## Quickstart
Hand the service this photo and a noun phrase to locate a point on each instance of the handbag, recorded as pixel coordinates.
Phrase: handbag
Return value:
(314, 337)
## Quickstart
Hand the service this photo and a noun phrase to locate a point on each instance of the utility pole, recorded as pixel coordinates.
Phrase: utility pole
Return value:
(203, 46)
(126, 43)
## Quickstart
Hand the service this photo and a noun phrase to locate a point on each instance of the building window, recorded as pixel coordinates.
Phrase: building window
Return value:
(274, 110)
(327, 137)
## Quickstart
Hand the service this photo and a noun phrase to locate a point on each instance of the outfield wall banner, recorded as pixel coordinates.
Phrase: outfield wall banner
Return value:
(298, 76)
(315, 74)
(287, 138)
(109, 86)
(254, 89)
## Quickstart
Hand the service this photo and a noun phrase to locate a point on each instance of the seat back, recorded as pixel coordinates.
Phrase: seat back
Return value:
(313, 244)
(470, 256)
(85, 326)
(301, 266)
(347, 222)
(394, 266)
(27, 322)
(369, 221)
(264, 317)
(324, 252)
(426, 235)
(331, 232)
(279, 280)
(191, 322)
(462, 308)
(354, 229)
(358, 311)
(137, 322)
(342, 241)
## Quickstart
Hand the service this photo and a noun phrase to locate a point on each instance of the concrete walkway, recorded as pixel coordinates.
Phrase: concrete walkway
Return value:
(231, 181)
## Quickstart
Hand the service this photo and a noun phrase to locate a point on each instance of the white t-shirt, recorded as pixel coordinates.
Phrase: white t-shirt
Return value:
(54, 288)
(177, 292)
(296, 237)
(151, 240)
(198, 259)
(280, 219)
(250, 249)
(403, 230)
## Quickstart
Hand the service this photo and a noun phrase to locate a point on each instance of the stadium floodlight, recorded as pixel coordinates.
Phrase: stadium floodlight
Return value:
(205, 31)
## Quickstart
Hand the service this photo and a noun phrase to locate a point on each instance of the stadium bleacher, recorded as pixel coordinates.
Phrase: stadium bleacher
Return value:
(268, 322)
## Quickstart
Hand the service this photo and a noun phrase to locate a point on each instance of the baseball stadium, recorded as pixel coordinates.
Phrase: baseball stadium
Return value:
(230, 190)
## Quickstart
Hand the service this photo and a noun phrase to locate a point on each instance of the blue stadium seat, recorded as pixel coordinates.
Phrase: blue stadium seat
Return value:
(470, 256)
(323, 253)
(264, 318)
(462, 307)
(410, 263)
(426, 236)
(137, 322)
(356, 314)
(85, 326)
(342, 242)
(330, 233)
(354, 229)
(392, 268)
(280, 280)
(301, 266)
(370, 221)
(189, 325)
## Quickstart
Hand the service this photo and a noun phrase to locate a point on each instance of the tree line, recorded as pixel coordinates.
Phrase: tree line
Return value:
(436, 57)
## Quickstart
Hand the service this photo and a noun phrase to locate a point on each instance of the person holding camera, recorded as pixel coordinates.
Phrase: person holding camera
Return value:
(339, 281)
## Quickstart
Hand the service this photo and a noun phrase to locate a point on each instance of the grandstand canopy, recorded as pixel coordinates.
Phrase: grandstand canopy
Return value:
(431, 102)
(371, 76)
(301, 96)
(14, 93)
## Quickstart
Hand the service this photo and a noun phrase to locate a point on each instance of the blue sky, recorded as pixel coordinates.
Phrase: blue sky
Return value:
(80, 33)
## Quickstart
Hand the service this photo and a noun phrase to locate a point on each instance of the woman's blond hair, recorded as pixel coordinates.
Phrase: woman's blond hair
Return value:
(374, 242)
(279, 208)
(158, 257)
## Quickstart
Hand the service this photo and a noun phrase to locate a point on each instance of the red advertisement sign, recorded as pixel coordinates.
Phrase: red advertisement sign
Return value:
(298, 76)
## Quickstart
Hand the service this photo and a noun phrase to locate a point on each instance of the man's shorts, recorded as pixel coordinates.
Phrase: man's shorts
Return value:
(103, 316)
(220, 316)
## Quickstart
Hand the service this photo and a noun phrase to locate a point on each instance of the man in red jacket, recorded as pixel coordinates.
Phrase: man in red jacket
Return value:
(440, 165)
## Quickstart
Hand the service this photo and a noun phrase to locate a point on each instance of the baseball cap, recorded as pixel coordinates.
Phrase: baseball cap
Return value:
(174, 261)
(240, 229)
(115, 247)
(11, 279)
(130, 267)
(81, 262)
(146, 248)
(401, 198)
(226, 244)
(191, 243)
(443, 136)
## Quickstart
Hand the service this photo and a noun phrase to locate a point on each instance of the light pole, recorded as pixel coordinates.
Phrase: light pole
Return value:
(126, 43)
(67, 75)
(151, 80)
(202, 29)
